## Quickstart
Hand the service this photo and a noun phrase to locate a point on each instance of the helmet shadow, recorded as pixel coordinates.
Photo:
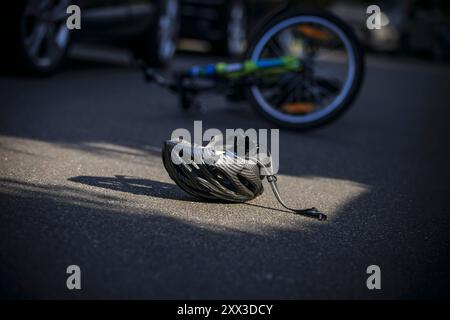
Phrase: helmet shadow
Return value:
(135, 185)
(153, 188)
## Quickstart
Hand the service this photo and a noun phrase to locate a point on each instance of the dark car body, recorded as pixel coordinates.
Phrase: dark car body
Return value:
(409, 26)
(116, 17)
(149, 27)
(212, 20)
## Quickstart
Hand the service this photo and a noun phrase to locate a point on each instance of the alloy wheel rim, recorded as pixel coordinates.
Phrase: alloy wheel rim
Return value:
(44, 32)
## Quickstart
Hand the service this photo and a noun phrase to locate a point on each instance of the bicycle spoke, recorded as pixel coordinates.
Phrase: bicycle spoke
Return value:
(275, 47)
(324, 51)
(286, 95)
(275, 89)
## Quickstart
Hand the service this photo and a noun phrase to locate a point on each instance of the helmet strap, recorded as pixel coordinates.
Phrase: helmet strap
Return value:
(309, 212)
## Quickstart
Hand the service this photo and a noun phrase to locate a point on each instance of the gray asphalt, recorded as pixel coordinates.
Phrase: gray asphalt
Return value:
(81, 182)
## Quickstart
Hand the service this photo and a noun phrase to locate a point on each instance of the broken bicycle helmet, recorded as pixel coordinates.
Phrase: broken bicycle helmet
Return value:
(230, 172)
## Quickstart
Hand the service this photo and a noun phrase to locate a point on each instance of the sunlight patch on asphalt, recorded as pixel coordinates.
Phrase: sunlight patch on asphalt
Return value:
(133, 181)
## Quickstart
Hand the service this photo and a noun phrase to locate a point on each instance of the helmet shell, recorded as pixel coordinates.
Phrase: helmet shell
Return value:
(219, 176)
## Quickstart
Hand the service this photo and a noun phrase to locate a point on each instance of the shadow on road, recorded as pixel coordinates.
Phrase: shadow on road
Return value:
(148, 187)
(132, 252)
(391, 140)
(135, 185)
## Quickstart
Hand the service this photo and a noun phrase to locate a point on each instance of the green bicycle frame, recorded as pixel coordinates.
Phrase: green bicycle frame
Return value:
(259, 68)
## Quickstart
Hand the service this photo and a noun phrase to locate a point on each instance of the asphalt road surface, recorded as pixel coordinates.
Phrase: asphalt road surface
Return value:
(82, 183)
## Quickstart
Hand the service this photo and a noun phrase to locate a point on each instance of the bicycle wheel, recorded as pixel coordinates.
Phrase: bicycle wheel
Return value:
(330, 72)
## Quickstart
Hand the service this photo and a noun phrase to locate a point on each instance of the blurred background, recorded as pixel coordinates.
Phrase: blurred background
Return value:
(154, 29)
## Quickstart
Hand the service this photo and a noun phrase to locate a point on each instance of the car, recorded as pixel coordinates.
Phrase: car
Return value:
(225, 24)
(409, 26)
(38, 37)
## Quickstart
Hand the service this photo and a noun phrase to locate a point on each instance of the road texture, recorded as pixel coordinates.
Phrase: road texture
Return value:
(82, 182)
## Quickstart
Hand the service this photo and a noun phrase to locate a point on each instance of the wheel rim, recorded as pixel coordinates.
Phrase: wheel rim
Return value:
(168, 30)
(346, 85)
(236, 29)
(44, 32)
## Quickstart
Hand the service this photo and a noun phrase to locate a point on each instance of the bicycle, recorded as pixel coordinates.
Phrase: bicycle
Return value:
(303, 69)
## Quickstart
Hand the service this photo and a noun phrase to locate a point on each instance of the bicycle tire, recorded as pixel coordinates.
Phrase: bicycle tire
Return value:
(358, 62)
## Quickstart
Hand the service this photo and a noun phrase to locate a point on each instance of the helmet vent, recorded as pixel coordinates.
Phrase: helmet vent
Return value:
(222, 178)
(247, 183)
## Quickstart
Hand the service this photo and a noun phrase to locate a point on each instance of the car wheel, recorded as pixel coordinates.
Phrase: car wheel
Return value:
(234, 30)
(158, 43)
(44, 36)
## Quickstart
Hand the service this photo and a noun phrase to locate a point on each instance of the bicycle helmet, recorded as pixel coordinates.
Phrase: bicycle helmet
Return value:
(219, 172)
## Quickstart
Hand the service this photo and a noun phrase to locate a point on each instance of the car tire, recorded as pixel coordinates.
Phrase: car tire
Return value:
(157, 45)
(39, 37)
